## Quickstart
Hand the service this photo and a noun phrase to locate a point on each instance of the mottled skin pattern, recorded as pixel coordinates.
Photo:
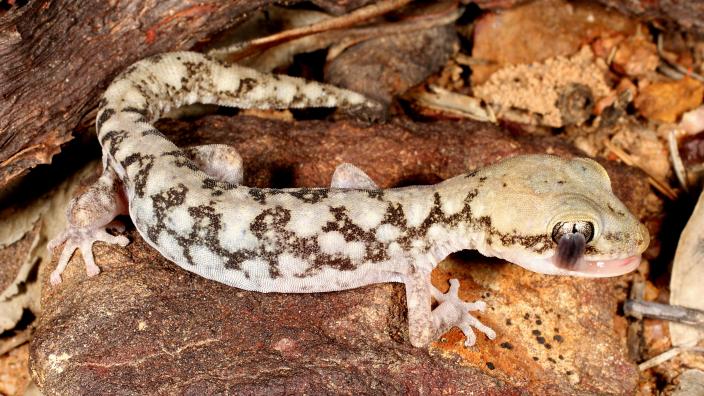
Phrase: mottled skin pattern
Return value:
(191, 207)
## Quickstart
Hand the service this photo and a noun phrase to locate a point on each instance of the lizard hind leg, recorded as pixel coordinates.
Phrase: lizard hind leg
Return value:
(89, 215)
(219, 161)
(347, 175)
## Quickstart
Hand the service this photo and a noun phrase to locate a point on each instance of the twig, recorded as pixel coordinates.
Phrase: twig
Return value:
(628, 160)
(669, 71)
(354, 36)
(679, 68)
(454, 103)
(635, 328)
(467, 60)
(340, 22)
(661, 358)
(667, 355)
(673, 313)
(283, 54)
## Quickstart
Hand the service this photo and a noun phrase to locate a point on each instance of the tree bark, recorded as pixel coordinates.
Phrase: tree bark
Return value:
(57, 56)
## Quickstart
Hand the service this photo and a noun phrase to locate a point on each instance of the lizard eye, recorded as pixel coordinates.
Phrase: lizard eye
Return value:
(571, 238)
(585, 228)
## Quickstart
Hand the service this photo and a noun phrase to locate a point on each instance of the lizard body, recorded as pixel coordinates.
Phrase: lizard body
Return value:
(547, 214)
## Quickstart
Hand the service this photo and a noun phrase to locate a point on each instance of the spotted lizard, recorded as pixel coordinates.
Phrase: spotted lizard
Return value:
(547, 214)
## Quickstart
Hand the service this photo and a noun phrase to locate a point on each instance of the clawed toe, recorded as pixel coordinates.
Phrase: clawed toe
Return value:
(92, 270)
(454, 287)
(83, 240)
(55, 278)
(469, 333)
(469, 322)
(58, 240)
(478, 305)
(112, 239)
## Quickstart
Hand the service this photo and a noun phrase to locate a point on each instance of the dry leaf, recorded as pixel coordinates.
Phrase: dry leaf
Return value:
(665, 101)
(635, 56)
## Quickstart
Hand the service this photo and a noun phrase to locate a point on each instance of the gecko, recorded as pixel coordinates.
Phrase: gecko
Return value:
(545, 213)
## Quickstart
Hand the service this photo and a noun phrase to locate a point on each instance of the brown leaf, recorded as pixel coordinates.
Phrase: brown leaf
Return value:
(635, 56)
(666, 101)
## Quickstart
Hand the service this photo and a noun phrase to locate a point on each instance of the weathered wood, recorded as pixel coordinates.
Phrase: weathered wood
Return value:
(674, 313)
(687, 15)
(57, 56)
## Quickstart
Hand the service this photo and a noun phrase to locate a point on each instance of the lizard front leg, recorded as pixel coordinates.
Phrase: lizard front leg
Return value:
(426, 325)
(347, 175)
(219, 161)
(89, 215)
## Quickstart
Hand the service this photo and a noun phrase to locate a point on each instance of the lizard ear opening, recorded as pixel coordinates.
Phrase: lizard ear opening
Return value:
(570, 250)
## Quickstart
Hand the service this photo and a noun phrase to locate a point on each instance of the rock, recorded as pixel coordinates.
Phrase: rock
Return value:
(19, 291)
(146, 326)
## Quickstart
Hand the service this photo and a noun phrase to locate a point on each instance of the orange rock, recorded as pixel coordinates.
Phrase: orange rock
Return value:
(667, 100)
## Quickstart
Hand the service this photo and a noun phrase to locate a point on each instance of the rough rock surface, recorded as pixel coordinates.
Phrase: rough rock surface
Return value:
(146, 326)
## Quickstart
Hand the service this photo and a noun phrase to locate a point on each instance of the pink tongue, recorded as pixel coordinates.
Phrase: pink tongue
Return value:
(611, 267)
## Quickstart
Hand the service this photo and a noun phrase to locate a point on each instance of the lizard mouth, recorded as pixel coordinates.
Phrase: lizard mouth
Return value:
(570, 258)
(605, 268)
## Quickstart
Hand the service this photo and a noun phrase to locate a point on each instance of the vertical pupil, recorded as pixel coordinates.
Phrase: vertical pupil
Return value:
(582, 227)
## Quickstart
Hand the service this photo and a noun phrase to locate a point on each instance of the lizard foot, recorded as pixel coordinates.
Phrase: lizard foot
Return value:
(452, 311)
(83, 240)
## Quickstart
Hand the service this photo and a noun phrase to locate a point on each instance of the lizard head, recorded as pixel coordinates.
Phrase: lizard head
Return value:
(557, 216)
